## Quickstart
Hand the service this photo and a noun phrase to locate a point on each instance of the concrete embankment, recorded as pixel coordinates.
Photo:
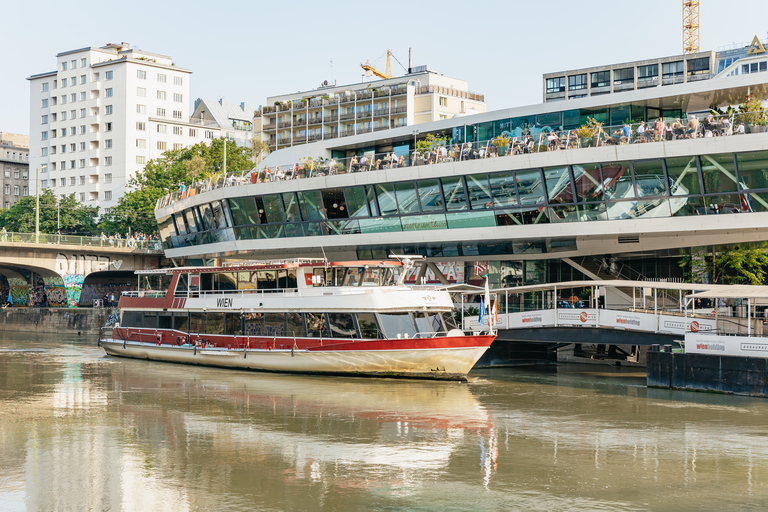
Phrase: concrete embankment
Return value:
(54, 320)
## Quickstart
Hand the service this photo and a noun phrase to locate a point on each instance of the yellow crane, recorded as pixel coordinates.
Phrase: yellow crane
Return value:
(368, 67)
(690, 26)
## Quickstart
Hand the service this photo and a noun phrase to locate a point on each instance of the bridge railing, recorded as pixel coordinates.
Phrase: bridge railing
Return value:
(86, 241)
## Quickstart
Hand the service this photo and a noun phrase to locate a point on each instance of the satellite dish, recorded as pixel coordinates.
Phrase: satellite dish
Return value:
(325, 82)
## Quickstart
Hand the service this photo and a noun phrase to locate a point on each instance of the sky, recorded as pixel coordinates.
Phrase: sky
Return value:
(244, 51)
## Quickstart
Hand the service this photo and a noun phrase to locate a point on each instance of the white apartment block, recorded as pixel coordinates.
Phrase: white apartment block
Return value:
(102, 115)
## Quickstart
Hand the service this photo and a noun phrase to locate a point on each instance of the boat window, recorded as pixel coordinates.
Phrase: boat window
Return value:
(287, 279)
(589, 184)
(194, 284)
(683, 176)
(649, 178)
(311, 204)
(370, 197)
(197, 322)
(132, 319)
(165, 320)
(503, 189)
(260, 210)
(248, 210)
(753, 169)
(254, 324)
(397, 325)
(407, 201)
(479, 193)
(448, 320)
(453, 190)
(180, 224)
(621, 187)
(274, 324)
(246, 280)
(435, 322)
(181, 286)
(529, 187)
(191, 222)
(226, 281)
(386, 195)
(319, 276)
(317, 327)
(291, 207)
(357, 205)
(218, 214)
(232, 324)
(267, 280)
(353, 277)
(206, 282)
(181, 321)
(368, 328)
(214, 323)
(718, 173)
(207, 217)
(294, 325)
(234, 207)
(342, 325)
(430, 197)
(150, 320)
(273, 208)
(559, 188)
(372, 277)
(423, 325)
(335, 204)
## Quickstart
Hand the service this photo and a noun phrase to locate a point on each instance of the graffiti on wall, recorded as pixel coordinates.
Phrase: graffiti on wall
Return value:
(73, 283)
(56, 295)
(85, 264)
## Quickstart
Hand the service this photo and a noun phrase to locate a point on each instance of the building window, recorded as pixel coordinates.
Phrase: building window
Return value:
(108, 127)
(25, 190)
(82, 197)
(192, 132)
(177, 80)
(72, 181)
(698, 66)
(44, 120)
(44, 136)
(63, 132)
(108, 75)
(43, 168)
(16, 174)
(82, 80)
(64, 100)
(672, 69)
(83, 62)
(161, 112)
(15, 190)
(108, 110)
(43, 151)
(45, 87)
(177, 146)
(63, 82)
(555, 85)
(63, 116)
(443, 101)
(73, 114)
(141, 143)
(82, 129)
(107, 195)
(161, 78)
(82, 113)
(178, 98)
(108, 178)
(141, 92)
(107, 160)
(208, 134)
(82, 163)
(82, 146)
(44, 103)
(161, 95)
(577, 82)
(141, 126)
(73, 147)
(108, 144)
(162, 128)
(161, 145)
(82, 96)
(73, 64)
(178, 130)
(43, 183)
(73, 97)
(648, 73)
(601, 79)
(141, 74)
(141, 109)
(141, 160)
(64, 66)
(108, 92)
(25, 175)
(7, 189)
(624, 76)
(177, 114)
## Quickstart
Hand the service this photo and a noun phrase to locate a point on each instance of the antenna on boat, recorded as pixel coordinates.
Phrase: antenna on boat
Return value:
(407, 262)
(325, 258)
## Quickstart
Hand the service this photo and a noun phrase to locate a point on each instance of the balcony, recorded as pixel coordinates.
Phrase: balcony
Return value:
(346, 117)
(312, 138)
(364, 95)
(381, 112)
(315, 120)
(270, 126)
(380, 128)
(284, 124)
(399, 110)
(332, 118)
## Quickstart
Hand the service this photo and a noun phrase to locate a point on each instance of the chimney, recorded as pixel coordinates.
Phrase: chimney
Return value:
(242, 106)
(410, 60)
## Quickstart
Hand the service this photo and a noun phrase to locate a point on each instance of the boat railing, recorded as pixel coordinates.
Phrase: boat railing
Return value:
(154, 294)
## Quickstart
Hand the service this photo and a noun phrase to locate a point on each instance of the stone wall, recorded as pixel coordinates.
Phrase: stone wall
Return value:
(54, 320)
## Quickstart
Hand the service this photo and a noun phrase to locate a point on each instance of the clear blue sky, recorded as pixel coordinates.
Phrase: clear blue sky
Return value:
(248, 50)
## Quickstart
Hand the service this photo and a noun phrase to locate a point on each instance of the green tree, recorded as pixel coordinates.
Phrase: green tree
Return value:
(136, 209)
(72, 216)
(736, 264)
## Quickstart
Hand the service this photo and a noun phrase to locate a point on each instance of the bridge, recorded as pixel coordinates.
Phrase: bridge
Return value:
(615, 320)
(54, 269)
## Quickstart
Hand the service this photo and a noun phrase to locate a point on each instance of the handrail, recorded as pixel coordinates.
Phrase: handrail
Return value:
(152, 244)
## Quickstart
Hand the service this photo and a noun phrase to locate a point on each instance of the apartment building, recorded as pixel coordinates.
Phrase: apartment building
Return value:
(102, 115)
(331, 111)
(14, 163)
(234, 121)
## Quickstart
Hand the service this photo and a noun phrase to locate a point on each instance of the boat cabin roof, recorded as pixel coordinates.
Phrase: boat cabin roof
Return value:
(271, 265)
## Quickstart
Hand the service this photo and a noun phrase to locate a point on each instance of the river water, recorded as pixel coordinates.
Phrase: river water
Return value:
(83, 431)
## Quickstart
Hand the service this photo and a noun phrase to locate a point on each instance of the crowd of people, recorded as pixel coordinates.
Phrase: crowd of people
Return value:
(130, 240)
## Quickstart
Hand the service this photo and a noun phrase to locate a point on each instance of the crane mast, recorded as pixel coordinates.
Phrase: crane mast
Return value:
(387, 73)
(690, 26)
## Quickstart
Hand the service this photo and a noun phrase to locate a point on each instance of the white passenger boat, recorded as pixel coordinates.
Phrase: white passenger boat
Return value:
(304, 317)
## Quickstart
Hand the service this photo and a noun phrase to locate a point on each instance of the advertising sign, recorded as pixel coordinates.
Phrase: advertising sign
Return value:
(712, 344)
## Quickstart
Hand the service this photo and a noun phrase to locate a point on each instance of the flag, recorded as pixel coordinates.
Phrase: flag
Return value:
(482, 311)
(488, 300)
(495, 315)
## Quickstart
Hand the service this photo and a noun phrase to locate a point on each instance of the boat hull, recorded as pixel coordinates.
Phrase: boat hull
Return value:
(442, 363)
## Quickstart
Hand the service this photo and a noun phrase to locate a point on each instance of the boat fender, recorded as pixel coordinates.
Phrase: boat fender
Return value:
(159, 336)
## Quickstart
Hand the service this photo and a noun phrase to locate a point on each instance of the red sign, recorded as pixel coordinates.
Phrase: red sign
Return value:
(583, 316)
(694, 326)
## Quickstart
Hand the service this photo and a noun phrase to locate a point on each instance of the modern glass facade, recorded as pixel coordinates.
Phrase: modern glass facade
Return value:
(683, 186)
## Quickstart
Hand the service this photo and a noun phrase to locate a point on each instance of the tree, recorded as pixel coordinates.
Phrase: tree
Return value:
(72, 216)
(259, 149)
(737, 264)
(136, 209)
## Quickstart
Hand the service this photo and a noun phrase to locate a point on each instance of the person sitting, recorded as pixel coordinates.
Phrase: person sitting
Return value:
(727, 126)
(641, 132)
(354, 164)
(363, 163)
(573, 299)
(740, 129)
(677, 128)
(661, 128)
(377, 165)
(692, 127)
(530, 144)
(552, 141)
(626, 134)
(401, 163)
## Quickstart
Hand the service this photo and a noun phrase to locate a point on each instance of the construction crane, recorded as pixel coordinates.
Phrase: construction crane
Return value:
(690, 26)
(369, 69)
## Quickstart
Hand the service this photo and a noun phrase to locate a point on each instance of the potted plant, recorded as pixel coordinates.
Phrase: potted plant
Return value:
(501, 142)
(588, 131)
(752, 114)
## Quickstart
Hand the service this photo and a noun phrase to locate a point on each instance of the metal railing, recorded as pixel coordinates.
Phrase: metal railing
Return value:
(516, 142)
(9, 237)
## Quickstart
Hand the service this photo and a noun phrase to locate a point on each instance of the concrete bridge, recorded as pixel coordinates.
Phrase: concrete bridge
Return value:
(61, 264)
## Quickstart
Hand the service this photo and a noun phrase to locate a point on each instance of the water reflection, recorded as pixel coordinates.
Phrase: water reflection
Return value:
(83, 431)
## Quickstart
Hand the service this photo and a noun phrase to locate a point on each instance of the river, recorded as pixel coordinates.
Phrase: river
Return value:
(83, 431)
